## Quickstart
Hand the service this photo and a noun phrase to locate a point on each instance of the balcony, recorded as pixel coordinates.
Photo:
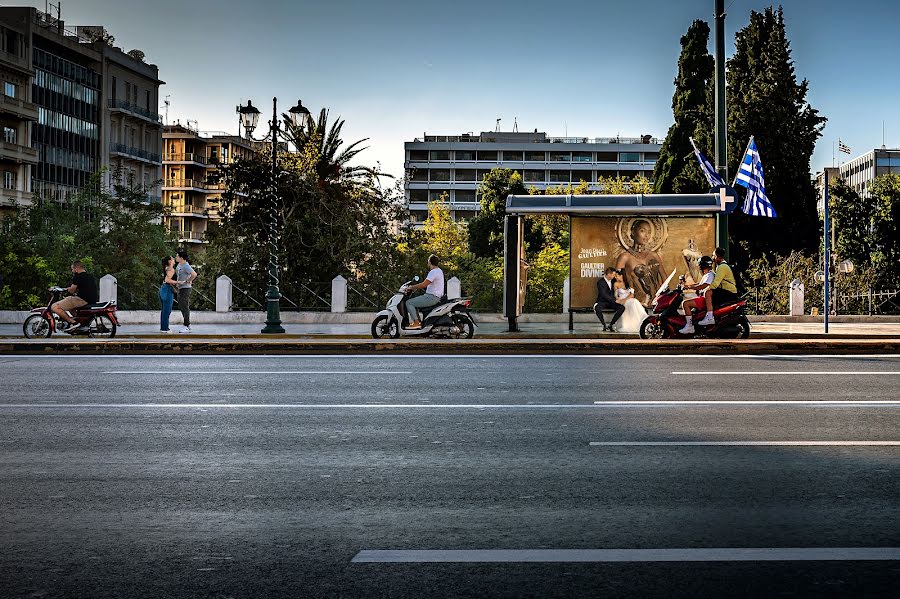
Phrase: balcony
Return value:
(189, 235)
(19, 154)
(134, 153)
(192, 185)
(19, 108)
(199, 159)
(134, 110)
(11, 197)
(182, 209)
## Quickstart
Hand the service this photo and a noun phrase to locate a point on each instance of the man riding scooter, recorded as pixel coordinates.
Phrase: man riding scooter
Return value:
(434, 290)
(84, 291)
(723, 289)
(702, 288)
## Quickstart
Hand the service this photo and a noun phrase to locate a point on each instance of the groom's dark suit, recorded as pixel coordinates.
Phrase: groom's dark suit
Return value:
(606, 300)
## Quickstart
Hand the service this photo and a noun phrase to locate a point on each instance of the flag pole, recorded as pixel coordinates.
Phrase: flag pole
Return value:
(733, 183)
(721, 123)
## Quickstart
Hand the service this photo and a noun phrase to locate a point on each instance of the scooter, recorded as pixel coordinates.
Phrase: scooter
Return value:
(100, 319)
(667, 318)
(449, 318)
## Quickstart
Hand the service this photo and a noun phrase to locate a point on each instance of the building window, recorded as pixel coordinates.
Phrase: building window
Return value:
(536, 156)
(560, 156)
(514, 156)
(418, 155)
(148, 100)
(9, 180)
(464, 175)
(418, 174)
(440, 174)
(487, 155)
(9, 89)
(607, 157)
(559, 176)
(534, 176)
(465, 195)
(435, 195)
(114, 86)
(9, 135)
(581, 157)
(481, 174)
(440, 154)
(127, 91)
(418, 195)
(629, 157)
(578, 176)
(465, 155)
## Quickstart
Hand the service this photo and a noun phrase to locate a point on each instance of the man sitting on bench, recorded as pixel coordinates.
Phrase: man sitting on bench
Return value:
(606, 299)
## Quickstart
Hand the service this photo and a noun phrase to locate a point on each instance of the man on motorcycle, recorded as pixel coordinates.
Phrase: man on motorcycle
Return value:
(434, 289)
(698, 303)
(724, 288)
(83, 290)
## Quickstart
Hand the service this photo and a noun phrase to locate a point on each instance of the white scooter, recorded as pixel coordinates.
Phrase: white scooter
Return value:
(450, 318)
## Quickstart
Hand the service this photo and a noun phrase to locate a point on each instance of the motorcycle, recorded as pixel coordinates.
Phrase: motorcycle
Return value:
(449, 318)
(667, 318)
(99, 319)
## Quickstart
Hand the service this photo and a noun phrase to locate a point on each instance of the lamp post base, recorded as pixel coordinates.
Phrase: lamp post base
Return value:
(273, 314)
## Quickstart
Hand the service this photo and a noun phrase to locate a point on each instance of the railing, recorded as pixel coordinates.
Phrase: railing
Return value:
(188, 209)
(135, 109)
(646, 139)
(18, 149)
(136, 152)
(870, 302)
(367, 297)
(185, 183)
(198, 158)
(189, 234)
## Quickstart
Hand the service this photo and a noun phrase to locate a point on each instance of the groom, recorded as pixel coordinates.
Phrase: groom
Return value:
(606, 299)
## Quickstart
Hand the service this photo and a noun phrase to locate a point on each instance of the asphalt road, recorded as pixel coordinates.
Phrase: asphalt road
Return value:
(425, 476)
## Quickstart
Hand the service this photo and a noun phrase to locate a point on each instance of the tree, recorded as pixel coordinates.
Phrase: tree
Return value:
(320, 152)
(884, 238)
(486, 229)
(766, 101)
(444, 237)
(137, 54)
(851, 220)
(676, 170)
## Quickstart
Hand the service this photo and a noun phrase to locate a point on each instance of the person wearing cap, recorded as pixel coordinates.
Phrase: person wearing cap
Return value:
(698, 303)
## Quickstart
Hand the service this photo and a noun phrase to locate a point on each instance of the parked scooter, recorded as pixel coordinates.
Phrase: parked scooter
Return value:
(666, 318)
(449, 318)
(100, 319)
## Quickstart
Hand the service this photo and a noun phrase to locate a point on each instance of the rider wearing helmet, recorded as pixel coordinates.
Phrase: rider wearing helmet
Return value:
(698, 303)
(723, 289)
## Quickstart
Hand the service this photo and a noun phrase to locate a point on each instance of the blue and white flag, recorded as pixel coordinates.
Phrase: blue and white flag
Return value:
(711, 175)
(750, 175)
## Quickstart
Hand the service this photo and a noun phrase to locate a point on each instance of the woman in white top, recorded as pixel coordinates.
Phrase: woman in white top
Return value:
(434, 290)
(634, 313)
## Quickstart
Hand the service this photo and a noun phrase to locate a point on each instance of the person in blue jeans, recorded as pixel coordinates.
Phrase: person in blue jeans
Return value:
(167, 293)
(434, 290)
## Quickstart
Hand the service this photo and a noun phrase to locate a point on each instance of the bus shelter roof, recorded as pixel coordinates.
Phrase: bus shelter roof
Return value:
(600, 204)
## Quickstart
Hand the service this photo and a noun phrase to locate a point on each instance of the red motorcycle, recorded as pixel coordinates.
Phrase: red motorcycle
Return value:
(99, 319)
(666, 319)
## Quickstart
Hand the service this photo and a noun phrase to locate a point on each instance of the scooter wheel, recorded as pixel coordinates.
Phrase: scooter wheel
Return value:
(385, 326)
(743, 327)
(651, 329)
(36, 326)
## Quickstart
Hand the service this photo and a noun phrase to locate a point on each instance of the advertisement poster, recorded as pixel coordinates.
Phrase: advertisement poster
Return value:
(645, 248)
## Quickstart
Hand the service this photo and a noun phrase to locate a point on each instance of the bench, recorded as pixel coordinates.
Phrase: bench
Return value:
(607, 315)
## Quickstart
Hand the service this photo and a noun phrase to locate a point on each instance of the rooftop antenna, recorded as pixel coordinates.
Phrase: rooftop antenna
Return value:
(883, 147)
(167, 103)
(515, 125)
(497, 128)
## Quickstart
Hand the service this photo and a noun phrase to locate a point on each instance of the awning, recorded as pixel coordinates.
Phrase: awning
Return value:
(702, 203)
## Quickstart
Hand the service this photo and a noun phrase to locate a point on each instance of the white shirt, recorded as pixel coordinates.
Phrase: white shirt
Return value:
(707, 279)
(436, 286)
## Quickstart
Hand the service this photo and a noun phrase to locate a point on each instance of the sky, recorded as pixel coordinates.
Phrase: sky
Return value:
(396, 69)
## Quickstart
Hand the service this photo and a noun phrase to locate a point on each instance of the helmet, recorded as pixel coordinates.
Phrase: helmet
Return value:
(706, 262)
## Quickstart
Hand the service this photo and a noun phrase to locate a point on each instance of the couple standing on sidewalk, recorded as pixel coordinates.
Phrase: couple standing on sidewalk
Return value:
(178, 276)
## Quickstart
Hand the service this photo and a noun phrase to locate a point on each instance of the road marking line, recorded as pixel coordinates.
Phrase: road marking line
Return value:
(388, 406)
(750, 402)
(177, 372)
(728, 554)
(745, 443)
(393, 356)
(786, 372)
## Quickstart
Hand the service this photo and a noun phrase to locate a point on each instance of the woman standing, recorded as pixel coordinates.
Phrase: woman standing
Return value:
(167, 293)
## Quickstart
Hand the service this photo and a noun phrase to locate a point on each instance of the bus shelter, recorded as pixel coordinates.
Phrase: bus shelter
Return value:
(646, 236)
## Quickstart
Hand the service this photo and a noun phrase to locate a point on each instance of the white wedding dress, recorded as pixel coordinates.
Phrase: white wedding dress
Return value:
(634, 314)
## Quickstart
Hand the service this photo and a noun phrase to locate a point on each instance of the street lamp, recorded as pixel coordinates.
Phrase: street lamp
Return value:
(249, 119)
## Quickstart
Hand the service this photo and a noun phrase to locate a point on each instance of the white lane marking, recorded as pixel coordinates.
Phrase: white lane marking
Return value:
(745, 443)
(176, 372)
(727, 554)
(750, 402)
(785, 372)
(389, 406)
(393, 356)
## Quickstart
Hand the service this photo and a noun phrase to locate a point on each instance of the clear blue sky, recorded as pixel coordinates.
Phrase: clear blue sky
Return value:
(395, 69)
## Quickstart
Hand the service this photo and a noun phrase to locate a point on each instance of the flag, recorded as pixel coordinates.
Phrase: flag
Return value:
(711, 175)
(842, 147)
(750, 175)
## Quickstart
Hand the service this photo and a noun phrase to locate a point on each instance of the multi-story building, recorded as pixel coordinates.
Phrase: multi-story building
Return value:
(860, 172)
(192, 183)
(95, 106)
(819, 182)
(455, 164)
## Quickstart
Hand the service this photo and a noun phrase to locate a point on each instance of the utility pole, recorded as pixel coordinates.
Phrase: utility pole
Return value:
(721, 137)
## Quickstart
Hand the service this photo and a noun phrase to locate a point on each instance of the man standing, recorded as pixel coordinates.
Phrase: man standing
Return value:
(185, 275)
(606, 299)
(83, 291)
(724, 288)
(434, 289)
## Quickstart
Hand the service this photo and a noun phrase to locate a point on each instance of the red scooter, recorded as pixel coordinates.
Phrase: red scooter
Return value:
(665, 320)
(99, 319)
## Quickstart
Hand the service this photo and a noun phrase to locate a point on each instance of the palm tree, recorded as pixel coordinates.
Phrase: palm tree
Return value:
(332, 161)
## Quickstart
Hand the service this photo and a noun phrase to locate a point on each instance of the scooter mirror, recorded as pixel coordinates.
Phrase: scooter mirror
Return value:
(416, 278)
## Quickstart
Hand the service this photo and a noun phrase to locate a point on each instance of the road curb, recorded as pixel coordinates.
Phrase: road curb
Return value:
(470, 346)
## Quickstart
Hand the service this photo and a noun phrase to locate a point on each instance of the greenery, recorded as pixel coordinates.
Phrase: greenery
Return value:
(112, 231)
(676, 170)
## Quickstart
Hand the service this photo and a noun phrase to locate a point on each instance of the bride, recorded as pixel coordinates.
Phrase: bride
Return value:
(634, 314)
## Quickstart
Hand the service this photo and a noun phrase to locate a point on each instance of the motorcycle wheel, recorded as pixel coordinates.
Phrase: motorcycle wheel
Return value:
(102, 327)
(36, 326)
(651, 329)
(385, 326)
(462, 327)
(743, 328)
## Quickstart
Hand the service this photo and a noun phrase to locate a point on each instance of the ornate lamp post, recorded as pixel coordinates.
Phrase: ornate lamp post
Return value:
(249, 118)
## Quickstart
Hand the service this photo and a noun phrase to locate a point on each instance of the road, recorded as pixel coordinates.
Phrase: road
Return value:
(449, 476)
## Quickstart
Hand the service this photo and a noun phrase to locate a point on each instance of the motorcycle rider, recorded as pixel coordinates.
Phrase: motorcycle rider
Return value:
(698, 303)
(723, 288)
(434, 289)
(83, 290)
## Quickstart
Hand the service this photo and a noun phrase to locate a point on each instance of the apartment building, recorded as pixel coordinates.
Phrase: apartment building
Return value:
(192, 183)
(860, 172)
(77, 84)
(455, 164)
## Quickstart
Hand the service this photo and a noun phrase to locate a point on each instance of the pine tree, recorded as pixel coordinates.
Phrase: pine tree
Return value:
(676, 170)
(766, 101)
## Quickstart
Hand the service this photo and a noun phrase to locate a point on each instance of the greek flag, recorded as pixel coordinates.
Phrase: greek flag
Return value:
(750, 175)
(842, 147)
(711, 175)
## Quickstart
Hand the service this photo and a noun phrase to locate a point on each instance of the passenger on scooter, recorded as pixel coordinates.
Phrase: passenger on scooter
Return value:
(724, 288)
(83, 290)
(434, 290)
(697, 303)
